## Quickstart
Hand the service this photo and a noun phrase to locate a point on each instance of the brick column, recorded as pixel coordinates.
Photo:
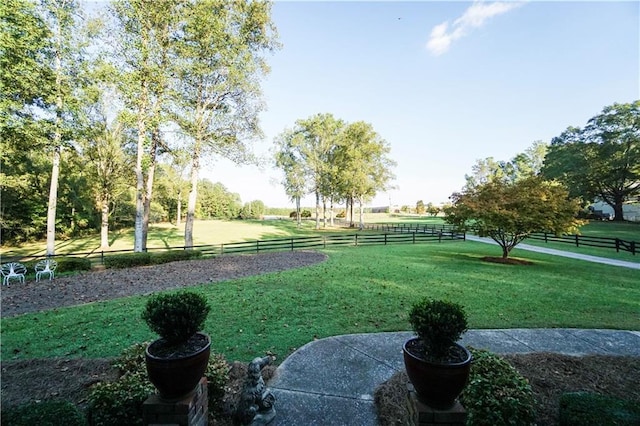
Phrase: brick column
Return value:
(422, 415)
(192, 410)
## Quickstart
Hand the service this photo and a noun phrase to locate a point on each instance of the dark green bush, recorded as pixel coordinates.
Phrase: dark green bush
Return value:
(305, 213)
(174, 255)
(439, 323)
(496, 393)
(46, 413)
(127, 260)
(66, 264)
(176, 316)
(590, 409)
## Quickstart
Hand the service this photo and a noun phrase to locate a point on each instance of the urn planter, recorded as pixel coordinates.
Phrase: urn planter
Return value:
(175, 377)
(437, 383)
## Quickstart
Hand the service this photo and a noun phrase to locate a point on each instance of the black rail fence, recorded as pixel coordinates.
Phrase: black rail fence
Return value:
(398, 236)
(587, 241)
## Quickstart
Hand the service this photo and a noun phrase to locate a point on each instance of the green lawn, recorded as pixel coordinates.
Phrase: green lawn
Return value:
(359, 289)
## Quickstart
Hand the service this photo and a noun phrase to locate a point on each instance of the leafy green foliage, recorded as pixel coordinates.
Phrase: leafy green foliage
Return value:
(66, 264)
(496, 393)
(176, 316)
(217, 375)
(583, 409)
(439, 323)
(119, 402)
(46, 413)
(509, 211)
(602, 159)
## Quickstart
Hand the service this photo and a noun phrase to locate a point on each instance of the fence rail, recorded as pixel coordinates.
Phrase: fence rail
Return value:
(281, 244)
(583, 240)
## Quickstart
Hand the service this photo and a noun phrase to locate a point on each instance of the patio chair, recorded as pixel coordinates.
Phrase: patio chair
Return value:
(13, 270)
(46, 266)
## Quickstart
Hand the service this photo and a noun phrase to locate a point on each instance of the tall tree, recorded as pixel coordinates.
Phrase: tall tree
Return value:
(217, 98)
(294, 180)
(508, 212)
(309, 146)
(601, 160)
(145, 29)
(363, 163)
(66, 99)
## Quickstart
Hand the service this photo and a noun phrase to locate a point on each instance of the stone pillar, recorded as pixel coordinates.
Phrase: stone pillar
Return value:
(192, 410)
(422, 415)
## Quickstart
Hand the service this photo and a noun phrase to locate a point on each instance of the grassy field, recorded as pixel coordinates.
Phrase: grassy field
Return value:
(359, 289)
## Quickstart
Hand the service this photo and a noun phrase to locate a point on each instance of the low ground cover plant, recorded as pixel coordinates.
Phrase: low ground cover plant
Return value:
(45, 413)
(586, 408)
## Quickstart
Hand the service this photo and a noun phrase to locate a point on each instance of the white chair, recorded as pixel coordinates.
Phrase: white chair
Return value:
(46, 266)
(13, 270)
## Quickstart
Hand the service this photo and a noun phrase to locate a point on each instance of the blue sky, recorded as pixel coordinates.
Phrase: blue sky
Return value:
(444, 83)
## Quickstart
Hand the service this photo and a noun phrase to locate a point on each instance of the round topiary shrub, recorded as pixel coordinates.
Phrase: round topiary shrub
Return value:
(439, 324)
(176, 316)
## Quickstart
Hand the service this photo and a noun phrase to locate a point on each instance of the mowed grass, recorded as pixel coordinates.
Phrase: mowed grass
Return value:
(357, 290)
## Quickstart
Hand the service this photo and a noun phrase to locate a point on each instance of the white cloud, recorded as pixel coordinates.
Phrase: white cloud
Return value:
(475, 16)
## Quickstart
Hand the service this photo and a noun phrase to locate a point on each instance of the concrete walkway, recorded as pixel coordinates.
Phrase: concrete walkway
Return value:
(586, 257)
(331, 381)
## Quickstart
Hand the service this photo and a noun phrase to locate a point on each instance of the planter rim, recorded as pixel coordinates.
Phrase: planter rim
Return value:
(445, 364)
(193, 354)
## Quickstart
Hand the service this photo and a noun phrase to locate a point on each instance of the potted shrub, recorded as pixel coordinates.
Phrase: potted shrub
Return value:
(178, 359)
(436, 365)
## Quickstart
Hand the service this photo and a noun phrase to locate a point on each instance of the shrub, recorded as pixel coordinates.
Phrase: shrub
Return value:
(305, 213)
(127, 260)
(341, 214)
(583, 408)
(217, 376)
(174, 255)
(132, 359)
(496, 393)
(119, 402)
(177, 316)
(66, 264)
(46, 413)
(439, 324)
(293, 214)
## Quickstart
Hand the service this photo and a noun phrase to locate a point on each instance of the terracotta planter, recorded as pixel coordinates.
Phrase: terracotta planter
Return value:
(176, 378)
(437, 385)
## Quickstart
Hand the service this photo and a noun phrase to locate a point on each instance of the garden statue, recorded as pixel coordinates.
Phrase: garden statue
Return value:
(256, 402)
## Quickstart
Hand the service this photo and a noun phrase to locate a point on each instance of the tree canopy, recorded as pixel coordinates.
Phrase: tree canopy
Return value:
(601, 160)
(508, 212)
(334, 160)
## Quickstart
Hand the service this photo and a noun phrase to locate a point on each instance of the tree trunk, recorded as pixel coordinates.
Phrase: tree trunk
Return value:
(53, 198)
(104, 222)
(317, 210)
(298, 212)
(324, 212)
(331, 211)
(193, 195)
(148, 195)
(361, 225)
(179, 212)
(505, 251)
(618, 214)
(138, 244)
(350, 208)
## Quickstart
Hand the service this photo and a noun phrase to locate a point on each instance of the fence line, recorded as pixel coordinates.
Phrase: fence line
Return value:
(282, 244)
(583, 240)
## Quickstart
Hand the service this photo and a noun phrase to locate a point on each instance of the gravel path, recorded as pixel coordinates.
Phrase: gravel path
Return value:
(115, 283)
